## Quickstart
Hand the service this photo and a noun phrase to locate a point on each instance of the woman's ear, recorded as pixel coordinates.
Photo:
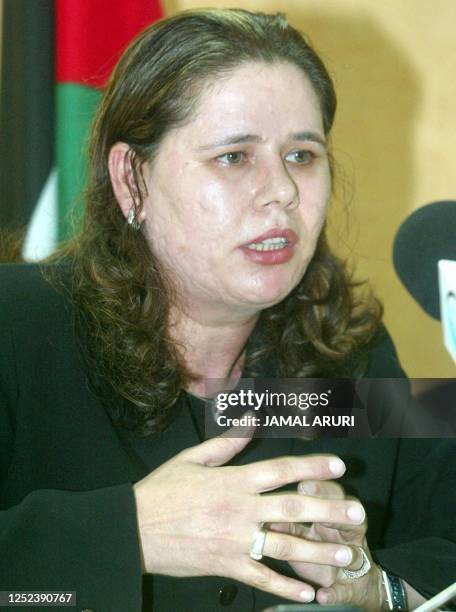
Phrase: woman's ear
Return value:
(123, 179)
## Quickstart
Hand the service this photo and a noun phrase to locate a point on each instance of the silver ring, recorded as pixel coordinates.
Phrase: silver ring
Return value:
(257, 544)
(362, 571)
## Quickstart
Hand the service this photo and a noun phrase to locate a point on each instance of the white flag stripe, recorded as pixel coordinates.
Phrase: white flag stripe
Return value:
(41, 237)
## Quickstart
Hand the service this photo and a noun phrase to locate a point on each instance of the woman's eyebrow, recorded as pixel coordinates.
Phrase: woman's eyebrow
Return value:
(248, 138)
(229, 140)
(309, 135)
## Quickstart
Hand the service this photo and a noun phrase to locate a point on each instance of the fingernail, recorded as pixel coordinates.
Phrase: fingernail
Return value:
(343, 556)
(356, 513)
(310, 488)
(326, 597)
(307, 595)
(337, 466)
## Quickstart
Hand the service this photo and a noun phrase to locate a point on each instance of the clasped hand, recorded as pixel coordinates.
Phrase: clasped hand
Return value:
(196, 517)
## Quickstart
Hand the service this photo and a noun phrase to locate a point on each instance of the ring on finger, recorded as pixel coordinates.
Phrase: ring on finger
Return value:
(362, 571)
(257, 543)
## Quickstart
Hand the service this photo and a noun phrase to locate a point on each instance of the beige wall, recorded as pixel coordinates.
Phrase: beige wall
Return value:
(394, 65)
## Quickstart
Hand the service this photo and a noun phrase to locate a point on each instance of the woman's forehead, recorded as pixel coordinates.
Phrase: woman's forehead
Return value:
(257, 96)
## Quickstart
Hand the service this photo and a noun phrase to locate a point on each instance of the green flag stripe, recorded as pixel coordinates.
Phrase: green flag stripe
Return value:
(75, 105)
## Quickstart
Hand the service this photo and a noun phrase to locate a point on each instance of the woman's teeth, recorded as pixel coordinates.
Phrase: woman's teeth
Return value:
(270, 244)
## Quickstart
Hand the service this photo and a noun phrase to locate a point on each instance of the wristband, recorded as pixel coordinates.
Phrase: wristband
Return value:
(395, 592)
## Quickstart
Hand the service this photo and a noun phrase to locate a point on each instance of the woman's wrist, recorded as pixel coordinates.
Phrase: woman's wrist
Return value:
(395, 593)
(381, 592)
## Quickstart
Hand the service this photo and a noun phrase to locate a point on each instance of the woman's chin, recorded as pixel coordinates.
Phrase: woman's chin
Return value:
(267, 295)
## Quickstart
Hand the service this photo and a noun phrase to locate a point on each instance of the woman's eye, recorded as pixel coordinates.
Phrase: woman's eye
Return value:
(234, 158)
(300, 157)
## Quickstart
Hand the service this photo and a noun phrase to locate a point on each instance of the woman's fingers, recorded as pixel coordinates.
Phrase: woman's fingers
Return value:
(300, 530)
(273, 473)
(293, 508)
(366, 592)
(333, 490)
(357, 559)
(337, 593)
(285, 547)
(216, 451)
(349, 531)
(262, 577)
(321, 488)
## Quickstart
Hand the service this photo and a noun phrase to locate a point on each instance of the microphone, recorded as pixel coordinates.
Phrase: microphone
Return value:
(424, 238)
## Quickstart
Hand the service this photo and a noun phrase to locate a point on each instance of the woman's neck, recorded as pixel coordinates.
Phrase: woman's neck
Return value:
(212, 349)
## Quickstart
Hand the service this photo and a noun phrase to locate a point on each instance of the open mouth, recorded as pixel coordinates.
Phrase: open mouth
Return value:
(272, 248)
(269, 244)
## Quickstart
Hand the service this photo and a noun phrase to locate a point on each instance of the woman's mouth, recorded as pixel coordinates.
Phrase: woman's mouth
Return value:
(272, 248)
(270, 244)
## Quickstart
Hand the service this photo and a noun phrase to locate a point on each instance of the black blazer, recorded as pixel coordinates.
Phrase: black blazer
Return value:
(67, 511)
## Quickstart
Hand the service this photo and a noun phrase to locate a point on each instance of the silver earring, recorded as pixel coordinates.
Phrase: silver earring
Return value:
(131, 219)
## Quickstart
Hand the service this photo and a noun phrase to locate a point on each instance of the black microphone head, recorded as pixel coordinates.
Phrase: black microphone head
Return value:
(425, 237)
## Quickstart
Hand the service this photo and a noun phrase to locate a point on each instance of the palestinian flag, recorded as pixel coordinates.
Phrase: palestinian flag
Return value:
(89, 36)
(26, 113)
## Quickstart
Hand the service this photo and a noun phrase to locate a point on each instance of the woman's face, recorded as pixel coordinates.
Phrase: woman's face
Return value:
(237, 197)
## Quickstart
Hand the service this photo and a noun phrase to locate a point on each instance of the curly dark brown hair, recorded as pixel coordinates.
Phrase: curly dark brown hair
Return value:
(121, 293)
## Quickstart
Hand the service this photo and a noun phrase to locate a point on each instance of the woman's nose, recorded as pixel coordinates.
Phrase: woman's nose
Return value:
(275, 186)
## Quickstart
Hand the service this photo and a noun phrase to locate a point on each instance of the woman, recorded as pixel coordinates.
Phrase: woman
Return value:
(202, 255)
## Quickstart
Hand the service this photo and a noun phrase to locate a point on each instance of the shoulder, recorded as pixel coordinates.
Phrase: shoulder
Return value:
(27, 295)
(31, 317)
(383, 360)
(35, 316)
(26, 281)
